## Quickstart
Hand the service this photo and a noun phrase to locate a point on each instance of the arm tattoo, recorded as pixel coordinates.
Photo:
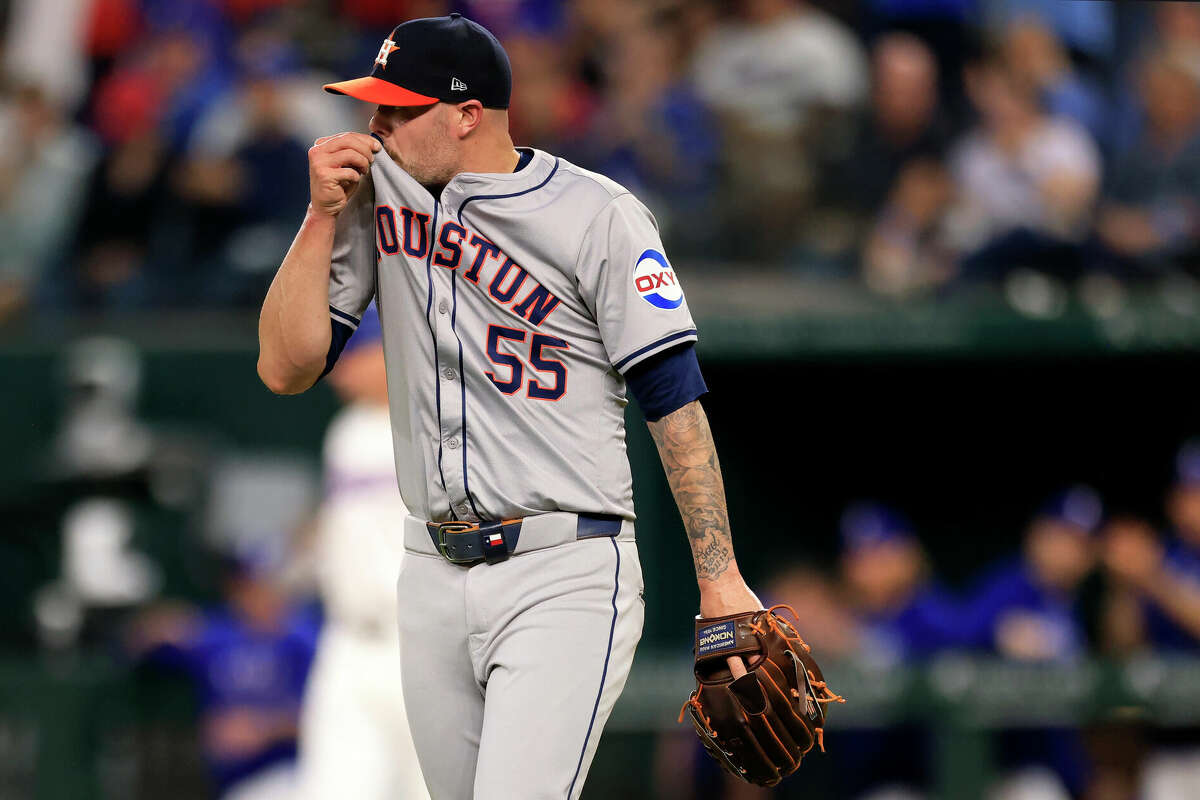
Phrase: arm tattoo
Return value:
(689, 458)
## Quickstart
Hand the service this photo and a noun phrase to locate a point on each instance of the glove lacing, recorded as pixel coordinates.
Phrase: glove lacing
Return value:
(773, 624)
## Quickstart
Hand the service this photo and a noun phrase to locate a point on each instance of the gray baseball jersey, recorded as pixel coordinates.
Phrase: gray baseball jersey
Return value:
(510, 307)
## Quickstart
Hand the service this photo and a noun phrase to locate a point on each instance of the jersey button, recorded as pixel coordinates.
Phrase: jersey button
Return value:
(448, 374)
(452, 444)
(443, 307)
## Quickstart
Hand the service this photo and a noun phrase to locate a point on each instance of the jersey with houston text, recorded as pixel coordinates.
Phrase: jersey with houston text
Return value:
(510, 306)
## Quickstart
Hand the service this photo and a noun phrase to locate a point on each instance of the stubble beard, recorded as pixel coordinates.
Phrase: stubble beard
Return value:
(431, 164)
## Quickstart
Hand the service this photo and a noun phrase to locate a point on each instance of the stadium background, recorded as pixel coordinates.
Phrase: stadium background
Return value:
(885, 314)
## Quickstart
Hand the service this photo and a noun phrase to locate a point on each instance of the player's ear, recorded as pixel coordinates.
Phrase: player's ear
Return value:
(470, 115)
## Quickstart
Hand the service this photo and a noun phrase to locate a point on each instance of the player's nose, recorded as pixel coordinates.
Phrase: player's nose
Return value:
(380, 124)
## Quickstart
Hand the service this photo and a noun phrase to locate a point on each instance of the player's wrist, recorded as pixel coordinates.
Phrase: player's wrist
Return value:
(727, 594)
(320, 215)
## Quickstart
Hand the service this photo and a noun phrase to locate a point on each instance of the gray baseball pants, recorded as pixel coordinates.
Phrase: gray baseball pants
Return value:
(510, 670)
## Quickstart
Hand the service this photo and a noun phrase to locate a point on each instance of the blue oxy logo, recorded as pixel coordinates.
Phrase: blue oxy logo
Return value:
(655, 281)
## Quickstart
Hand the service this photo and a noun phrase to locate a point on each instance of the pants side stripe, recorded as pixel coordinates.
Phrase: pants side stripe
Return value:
(604, 674)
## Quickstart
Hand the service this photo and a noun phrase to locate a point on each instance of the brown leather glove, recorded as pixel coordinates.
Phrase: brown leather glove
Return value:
(759, 726)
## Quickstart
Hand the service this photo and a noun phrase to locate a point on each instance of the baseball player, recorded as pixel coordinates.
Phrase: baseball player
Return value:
(520, 296)
(354, 734)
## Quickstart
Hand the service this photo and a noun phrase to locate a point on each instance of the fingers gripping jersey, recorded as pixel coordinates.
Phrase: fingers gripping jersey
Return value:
(510, 308)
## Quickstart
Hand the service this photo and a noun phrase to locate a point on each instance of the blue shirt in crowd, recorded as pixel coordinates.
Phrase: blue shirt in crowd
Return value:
(1011, 588)
(929, 621)
(1162, 632)
(235, 666)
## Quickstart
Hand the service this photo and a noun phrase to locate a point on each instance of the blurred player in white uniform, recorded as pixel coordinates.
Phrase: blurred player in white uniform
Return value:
(354, 735)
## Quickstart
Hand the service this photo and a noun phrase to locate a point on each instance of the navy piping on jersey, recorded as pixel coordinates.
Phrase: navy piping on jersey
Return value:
(652, 345)
(437, 381)
(604, 673)
(506, 196)
(462, 377)
(339, 334)
(462, 380)
(342, 315)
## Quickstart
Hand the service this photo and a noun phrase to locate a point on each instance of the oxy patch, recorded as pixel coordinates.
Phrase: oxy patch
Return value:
(655, 281)
(716, 638)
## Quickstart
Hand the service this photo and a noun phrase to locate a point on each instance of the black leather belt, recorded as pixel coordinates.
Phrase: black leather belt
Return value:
(471, 542)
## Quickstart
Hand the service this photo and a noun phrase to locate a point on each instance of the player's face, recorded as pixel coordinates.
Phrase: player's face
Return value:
(420, 140)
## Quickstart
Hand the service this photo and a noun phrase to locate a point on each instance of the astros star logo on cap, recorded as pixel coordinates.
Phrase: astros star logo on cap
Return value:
(385, 48)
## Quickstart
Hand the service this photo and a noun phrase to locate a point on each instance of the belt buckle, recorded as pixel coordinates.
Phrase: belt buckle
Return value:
(453, 527)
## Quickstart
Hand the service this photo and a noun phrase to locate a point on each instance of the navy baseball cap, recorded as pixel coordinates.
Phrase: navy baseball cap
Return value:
(869, 524)
(1079, 506)
(435, 59)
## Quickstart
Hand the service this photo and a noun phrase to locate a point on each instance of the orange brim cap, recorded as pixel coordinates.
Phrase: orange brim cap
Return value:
(380, 92)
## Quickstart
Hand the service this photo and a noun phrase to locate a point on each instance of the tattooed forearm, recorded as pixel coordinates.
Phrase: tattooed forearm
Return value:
(689, 458)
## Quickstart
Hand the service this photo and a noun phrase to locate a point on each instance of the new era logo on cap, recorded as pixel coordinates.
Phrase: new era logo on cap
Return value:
(457, 86)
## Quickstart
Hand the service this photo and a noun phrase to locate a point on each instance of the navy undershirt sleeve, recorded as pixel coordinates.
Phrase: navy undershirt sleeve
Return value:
(340, 334)
(666, 381)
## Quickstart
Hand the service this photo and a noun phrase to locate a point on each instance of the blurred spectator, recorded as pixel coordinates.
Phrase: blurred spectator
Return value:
(905, 248)
(129, 253)
(1028, 610)
(946, 27)
(829, 623)
(45, 159)
(355, 740)
(903, 615)
(1025, 181)
(1025, 609)
(1150, 216)
(1087, 29)
(903, 124)
(894, 166)
(112, 28)
(783, 78)
(1131, 553)
(245, 173)
(248, 662)
(43, 45)
(1165, 581)
(551, 105)
(1039, 60)
(652, 134)
(1154, 602)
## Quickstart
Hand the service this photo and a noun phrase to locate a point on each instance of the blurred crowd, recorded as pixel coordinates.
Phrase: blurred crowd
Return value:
(156, 148)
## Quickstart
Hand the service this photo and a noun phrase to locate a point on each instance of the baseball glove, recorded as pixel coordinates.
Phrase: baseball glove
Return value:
(760, 725)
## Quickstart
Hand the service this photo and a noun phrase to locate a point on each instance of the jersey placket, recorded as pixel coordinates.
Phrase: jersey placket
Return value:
(452, 430)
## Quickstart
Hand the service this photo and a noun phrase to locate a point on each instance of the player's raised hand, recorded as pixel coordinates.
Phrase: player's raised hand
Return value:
(336, 164)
